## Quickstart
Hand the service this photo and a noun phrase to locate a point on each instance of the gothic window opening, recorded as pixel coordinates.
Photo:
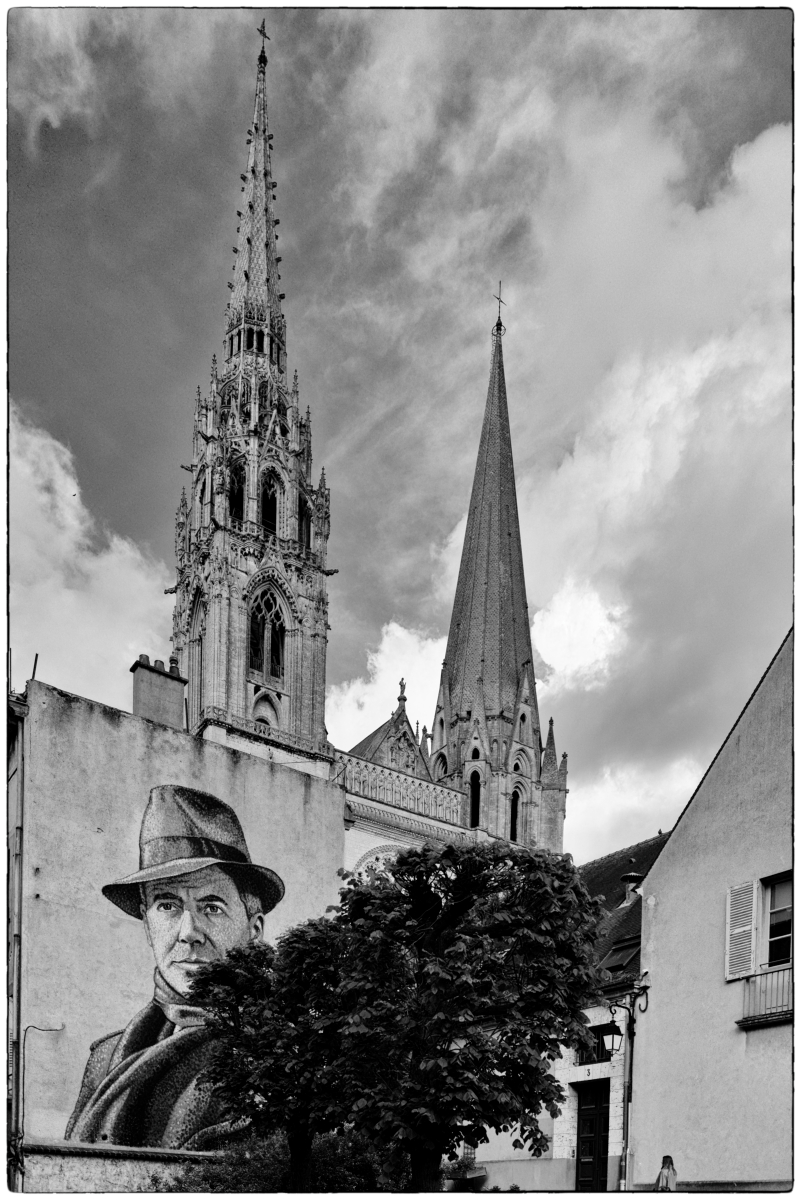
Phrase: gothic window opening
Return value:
(249, 343)
(441, 767)
(238, 340)
(202, 504)
(269, 504)
(236, 498)
(260, 342)
(513, 815)
(264, 393)
(277, 632)
(522, 725)
(195, 672)
(304, 523)
(475, 800)
(256, 642)
(267, 637)
(476, 752)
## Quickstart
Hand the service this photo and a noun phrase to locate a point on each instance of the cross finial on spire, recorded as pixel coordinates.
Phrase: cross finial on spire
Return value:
(264, 36)
(500, 302)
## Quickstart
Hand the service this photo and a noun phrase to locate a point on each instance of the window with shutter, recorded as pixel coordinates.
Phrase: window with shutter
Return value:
(741, 916)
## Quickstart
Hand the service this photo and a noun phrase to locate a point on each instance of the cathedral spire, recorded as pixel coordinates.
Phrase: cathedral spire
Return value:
(489, 632)
(256, 278)
(250, 622)
(486, 737)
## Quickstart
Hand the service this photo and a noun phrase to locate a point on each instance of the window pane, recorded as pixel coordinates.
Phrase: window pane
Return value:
(781, 923)
(781, 895)
(779, 950)
(256, 649)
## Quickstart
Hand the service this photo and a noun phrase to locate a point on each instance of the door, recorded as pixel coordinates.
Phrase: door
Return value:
(593, 1136)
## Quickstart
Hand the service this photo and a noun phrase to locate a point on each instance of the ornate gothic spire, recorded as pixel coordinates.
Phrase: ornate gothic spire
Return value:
(250, 623)
(489, 634)
(256, 268)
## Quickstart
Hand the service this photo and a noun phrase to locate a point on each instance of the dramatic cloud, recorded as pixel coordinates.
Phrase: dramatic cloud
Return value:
(355, 708)
(627, 174)
(88, 602)
(578, 636)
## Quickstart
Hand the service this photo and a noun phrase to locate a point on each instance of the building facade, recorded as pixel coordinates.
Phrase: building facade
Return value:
(713, 1082)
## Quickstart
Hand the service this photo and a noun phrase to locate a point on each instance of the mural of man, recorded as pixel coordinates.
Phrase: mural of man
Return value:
(198, 895)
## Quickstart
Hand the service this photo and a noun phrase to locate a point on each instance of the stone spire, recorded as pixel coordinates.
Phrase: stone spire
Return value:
(256, 267)
(489, 632)
(486, 738)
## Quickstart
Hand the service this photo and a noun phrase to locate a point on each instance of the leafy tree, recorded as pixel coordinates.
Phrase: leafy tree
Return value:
(278, 1019)
(469, 967)
(426, 1011)
(339, 1163)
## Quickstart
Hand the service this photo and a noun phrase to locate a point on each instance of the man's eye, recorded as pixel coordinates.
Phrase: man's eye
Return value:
(213, 909)
(165, 906)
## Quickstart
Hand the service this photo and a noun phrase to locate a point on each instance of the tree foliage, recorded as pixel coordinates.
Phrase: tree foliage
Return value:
(424, 1012)
(338, 1163)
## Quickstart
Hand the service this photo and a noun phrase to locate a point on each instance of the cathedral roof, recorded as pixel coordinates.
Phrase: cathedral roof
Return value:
(394, 744)
(489, 634)
(256, 266)
(367, 747)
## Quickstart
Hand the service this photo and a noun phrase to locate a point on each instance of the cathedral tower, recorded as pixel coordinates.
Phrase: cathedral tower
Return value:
(250, 621)
(486, 737)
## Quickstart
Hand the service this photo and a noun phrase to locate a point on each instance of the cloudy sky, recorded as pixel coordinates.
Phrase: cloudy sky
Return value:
(627, 174)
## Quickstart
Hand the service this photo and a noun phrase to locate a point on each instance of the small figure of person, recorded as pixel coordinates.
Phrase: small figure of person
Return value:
(666, 1179)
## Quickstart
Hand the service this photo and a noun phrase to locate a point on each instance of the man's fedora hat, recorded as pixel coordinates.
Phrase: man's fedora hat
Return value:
(184, 830)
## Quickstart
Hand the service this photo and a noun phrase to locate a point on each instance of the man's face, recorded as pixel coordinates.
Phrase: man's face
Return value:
(195, 919)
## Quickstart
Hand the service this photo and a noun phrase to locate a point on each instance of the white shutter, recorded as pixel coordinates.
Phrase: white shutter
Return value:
(741, 917)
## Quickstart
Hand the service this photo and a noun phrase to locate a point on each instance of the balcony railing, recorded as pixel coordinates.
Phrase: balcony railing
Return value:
(252, 529)
(390, 786)
(262, 732)
(768, 999)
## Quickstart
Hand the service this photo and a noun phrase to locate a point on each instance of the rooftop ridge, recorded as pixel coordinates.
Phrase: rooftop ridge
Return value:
(623, 850)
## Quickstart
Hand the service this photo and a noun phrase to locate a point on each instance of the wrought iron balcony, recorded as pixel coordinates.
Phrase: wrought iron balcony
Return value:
(768, 999)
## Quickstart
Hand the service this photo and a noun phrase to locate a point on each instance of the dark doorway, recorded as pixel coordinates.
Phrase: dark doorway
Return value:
(593, 1136)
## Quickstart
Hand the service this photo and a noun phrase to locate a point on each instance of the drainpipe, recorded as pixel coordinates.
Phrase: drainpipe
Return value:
(640, 989)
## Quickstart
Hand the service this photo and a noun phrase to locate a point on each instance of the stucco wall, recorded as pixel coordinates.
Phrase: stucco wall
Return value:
(714, 1097)
(88, 770)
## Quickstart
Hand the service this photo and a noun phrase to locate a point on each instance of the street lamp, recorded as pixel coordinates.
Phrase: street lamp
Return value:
(613, 1038)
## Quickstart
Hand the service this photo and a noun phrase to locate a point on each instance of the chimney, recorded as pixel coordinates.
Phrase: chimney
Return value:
(158, 693)
(632, 880)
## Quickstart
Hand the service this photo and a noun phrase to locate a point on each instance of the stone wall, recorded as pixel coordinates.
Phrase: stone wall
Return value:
(70, 1167)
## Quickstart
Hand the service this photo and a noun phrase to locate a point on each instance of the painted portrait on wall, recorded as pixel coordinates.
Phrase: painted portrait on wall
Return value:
(198, 895)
